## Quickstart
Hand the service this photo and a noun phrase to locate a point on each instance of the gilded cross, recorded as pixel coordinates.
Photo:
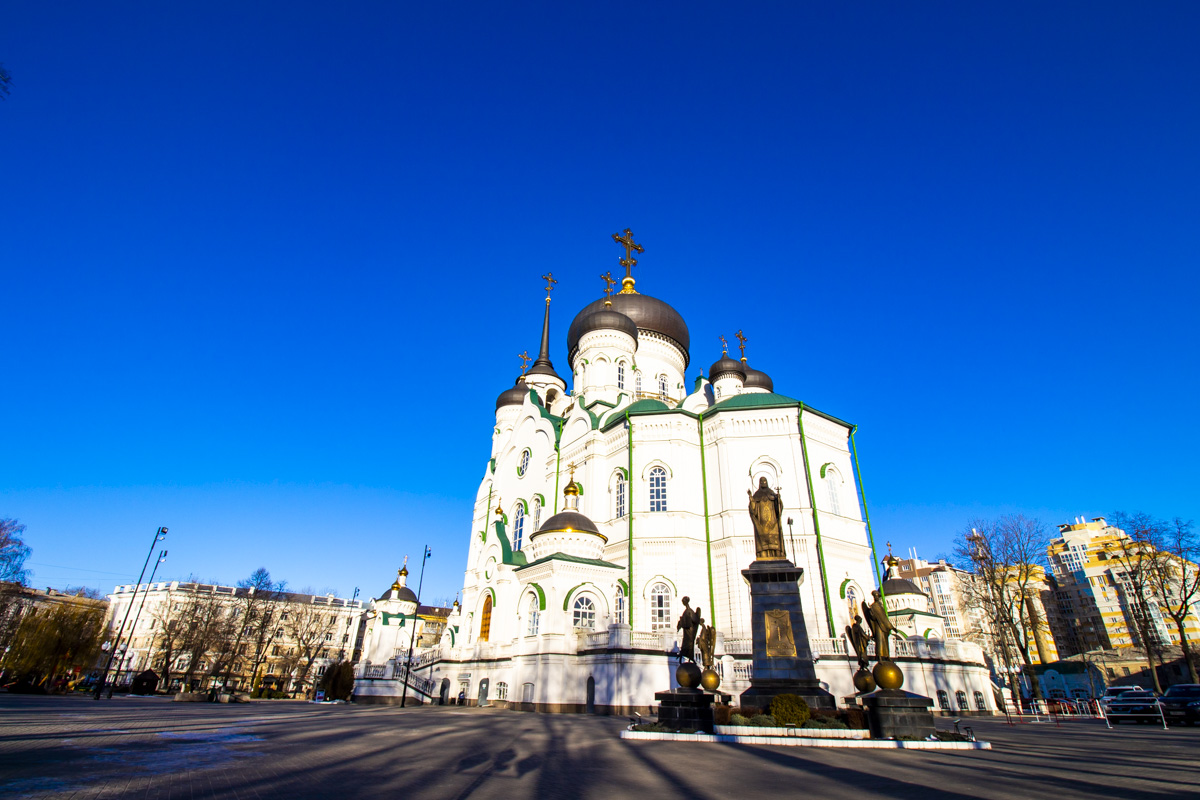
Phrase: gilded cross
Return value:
(609, 282)
(741, 343)
(549, 279)
(628, 262)
(525, 359)
(571, 469)
(724, 345)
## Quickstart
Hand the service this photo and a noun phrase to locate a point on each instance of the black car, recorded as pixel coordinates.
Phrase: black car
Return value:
(1139, 706)
(1181, 703)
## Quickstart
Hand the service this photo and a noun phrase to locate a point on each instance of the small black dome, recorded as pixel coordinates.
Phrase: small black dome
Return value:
(404, 594)
(723, 366)
(605, 319)
(514, 396)
(757, 379)
(569, 521)
(898, 586)
(648, 313)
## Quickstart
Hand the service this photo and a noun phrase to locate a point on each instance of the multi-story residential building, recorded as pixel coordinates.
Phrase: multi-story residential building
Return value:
(944, 584)
(203, 635)
(1094, 594)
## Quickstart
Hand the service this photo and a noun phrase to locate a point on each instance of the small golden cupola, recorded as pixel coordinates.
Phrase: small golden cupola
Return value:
(569, 531)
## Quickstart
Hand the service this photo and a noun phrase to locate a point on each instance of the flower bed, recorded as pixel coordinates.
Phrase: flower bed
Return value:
(806, 733)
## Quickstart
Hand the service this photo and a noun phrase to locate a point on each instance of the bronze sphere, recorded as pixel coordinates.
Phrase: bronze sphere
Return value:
(864, 682)
(688, 675)
(710, 680)
(888, 675)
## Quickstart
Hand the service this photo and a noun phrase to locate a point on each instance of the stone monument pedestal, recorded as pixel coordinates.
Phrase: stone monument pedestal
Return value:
(783, 664)
(892, 713)
(685, 708)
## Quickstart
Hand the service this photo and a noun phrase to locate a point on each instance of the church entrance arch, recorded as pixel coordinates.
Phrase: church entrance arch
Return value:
(591, 695)
(483, 692)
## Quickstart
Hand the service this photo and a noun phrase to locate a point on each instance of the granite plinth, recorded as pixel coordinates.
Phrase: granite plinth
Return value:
(685, 709)
(895, 713)
(783, 663)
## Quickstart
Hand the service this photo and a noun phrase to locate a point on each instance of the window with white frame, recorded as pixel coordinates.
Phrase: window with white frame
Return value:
(658, 489)
(619, 492)
(660, 607)
(534, 614)
(524, 463)
(502, 691)
(584, 615)
(831, 485)
(620, 375)
(537, 514)
(518, 526)
(663, 392)
(637, 382)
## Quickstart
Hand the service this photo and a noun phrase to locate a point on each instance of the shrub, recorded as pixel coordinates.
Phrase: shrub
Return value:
(721, 714)
(825, 723)
(789, 709)
(763, 721)
(738, 719)
(855, 718)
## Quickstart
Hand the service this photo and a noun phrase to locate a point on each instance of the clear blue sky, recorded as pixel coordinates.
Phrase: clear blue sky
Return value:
(265, 266)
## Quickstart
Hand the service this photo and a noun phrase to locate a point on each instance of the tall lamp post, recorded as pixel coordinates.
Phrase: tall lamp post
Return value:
(162, 556)
(412, 639)
(159, 535)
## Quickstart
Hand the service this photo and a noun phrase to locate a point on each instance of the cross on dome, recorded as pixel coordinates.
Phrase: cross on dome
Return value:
(628, 262)
(525, 359)
(741, 343)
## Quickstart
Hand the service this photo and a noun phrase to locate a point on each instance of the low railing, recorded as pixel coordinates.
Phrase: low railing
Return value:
(590, 640)
(828, 647)
(647, 640)
(739, 647)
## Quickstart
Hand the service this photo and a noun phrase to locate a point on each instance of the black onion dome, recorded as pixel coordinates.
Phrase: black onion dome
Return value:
(757, 379)
(604, 320)
(569, 521)
(898, 586)
(514, 396)
(648, 313)
(724, 366)
(403, 594)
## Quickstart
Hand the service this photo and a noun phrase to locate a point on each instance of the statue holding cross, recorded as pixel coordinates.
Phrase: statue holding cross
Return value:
(628, 262)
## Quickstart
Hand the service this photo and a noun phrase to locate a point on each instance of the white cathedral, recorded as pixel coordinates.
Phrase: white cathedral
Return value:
(607, 500)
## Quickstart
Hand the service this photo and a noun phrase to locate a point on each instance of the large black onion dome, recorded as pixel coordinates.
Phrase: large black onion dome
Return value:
(725, 366)
(604, 320)
(757, 379)
(514, 396)
(569, 521)
(648, 313)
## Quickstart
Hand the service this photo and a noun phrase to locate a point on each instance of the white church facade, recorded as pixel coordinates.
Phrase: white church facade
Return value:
(607, 499)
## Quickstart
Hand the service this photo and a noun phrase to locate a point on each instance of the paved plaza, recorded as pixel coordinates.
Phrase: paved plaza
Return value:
(152, 748)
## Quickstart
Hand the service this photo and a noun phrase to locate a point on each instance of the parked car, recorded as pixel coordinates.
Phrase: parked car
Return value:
(1113, 692)
(1181, 703)
(1139, 706)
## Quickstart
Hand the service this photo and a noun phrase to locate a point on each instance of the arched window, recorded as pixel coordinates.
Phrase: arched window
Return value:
(619, 607)
(585, 613)
(518, 537)
(831, 485)
(658, 489)
(485, 619)
(981, 704)
(535, 614)
(660, 607)
(621, 375)
(852, 601)
(943, 700)
(637, 383)
(961, 697)
(663, 393)
(537, 514)
(718, 391)
(620, 495)
(524, 463)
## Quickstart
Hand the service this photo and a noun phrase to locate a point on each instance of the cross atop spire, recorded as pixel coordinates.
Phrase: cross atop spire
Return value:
(741, 343)
(628, 262)
(525, 359)
(724, 346)
(549, 279)
(609, 281)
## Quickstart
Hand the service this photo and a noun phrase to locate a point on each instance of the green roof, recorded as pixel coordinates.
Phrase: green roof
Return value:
(595, 562)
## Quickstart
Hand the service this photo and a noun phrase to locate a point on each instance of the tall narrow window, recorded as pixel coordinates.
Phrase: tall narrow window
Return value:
(524, 464)
(620, 493)
(662, 387)
(518, 537)
(584, 615)
(537, 514)
(620, 375)
(619, 607)
(485, 619)
(637, 383)
(831, 485)
(534, 615)
(660, 607)
(658, 489)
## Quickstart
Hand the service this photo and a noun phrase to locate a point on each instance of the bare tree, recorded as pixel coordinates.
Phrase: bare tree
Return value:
(205, 627)
(52, 641)
(1174, 576)
(1136, 559)
(249, 620)
(13, 552)
(1006, 558)
(168, 639)
(311, 629)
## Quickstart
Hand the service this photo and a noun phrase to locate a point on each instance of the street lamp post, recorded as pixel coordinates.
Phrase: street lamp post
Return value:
(159, 535)
(162, 556)
(413, 638)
